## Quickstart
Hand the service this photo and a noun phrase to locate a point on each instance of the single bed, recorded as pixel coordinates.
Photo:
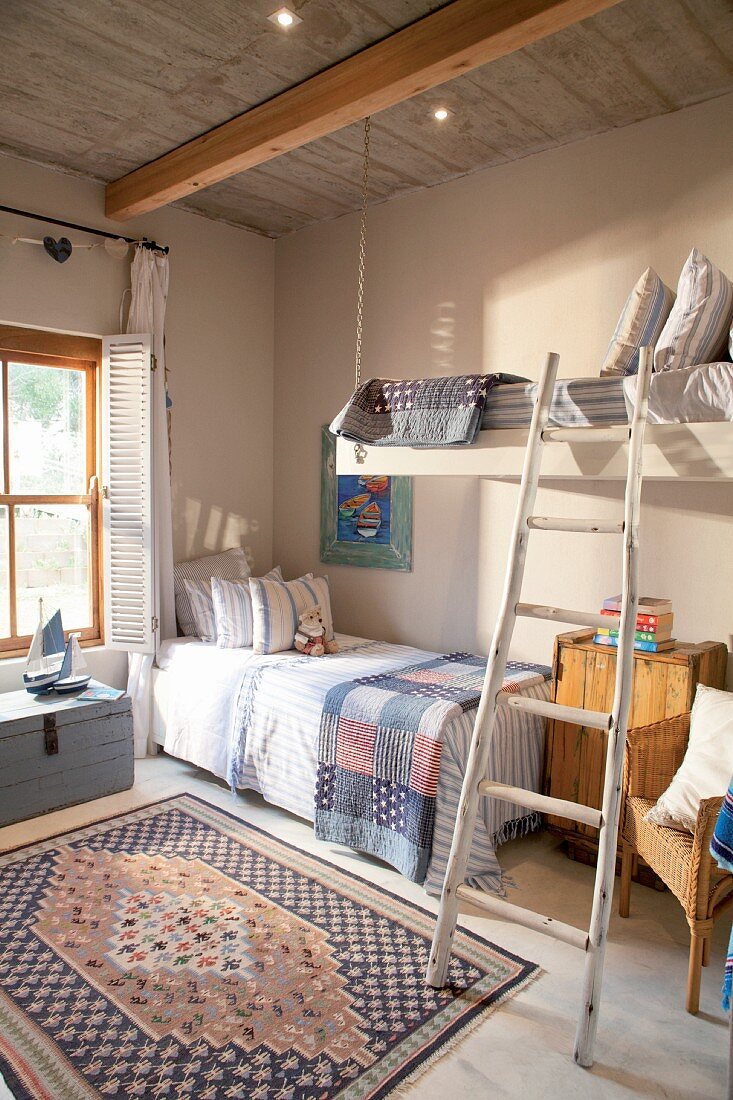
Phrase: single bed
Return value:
(258, 717)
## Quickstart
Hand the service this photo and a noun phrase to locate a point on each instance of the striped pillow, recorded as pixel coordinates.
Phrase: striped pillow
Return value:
(202, 608)
(230, 564)
(276, 606)
(697, 328)
(642, 320)
(232, 610)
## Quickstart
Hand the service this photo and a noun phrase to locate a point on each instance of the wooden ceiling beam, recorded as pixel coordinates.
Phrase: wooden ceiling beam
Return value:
(441, 46)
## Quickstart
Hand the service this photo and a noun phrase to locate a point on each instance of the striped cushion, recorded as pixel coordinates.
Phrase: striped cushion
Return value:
(276, 606)
(232, 610)
(230, 564)
(642, 320)
(697, 328)
(202, 608)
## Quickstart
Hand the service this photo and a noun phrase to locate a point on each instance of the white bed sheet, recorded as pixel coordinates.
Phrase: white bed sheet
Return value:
(202, 700)
(695, 395)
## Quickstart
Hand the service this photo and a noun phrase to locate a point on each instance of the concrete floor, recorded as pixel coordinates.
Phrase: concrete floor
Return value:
(647, 1044)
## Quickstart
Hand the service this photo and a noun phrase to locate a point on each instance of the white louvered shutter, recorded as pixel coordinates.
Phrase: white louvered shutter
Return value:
(127, 494)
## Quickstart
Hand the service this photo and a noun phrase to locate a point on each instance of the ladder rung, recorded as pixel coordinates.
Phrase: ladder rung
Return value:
(542, 803)
(568, 933)
(563, 615)
(596, 719)
(617, 433)
(591, 526)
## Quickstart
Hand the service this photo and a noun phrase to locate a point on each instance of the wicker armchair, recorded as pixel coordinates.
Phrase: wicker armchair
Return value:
(682, 860)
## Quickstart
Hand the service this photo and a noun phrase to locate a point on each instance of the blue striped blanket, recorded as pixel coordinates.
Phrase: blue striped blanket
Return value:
(379, 753)
(721, 848)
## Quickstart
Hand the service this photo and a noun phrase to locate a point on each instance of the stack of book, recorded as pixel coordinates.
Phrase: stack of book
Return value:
(653, 624)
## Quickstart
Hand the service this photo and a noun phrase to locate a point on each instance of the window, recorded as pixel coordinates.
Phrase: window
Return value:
(49, 514)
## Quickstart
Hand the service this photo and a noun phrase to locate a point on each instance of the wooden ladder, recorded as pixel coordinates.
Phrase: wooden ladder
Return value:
(475, 785)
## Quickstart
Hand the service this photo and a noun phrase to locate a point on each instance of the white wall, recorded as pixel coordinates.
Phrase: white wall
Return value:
(488, 273)
(219, 345)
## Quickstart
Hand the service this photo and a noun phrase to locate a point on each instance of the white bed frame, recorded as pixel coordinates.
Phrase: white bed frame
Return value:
(672, 452)
(159, 691)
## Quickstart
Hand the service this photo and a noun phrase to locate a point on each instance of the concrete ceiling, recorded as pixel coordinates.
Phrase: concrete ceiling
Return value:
(98, 88)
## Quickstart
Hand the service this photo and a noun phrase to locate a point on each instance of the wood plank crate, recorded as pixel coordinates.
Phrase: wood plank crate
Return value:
(56, 751)
(583, 676)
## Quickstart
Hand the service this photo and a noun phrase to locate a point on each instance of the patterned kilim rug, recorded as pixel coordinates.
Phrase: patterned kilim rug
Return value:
(177, 952)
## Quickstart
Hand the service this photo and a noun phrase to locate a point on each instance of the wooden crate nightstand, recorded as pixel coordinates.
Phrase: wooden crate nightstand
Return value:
(58, 750)
(583, 676)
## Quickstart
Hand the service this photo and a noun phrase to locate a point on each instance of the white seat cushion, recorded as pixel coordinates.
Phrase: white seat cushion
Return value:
(707, 767)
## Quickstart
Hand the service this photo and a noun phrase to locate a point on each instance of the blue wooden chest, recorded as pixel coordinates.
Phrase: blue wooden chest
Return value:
(56, 751)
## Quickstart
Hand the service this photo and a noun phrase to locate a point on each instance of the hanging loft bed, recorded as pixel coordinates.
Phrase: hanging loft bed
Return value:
(692, 452)
(672, 452)
(689, 432)
(689, 451)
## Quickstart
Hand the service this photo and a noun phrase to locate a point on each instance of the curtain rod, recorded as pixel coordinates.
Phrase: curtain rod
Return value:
(87, 229)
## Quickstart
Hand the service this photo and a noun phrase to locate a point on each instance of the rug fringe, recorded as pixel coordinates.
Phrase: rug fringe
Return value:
(405, 1086)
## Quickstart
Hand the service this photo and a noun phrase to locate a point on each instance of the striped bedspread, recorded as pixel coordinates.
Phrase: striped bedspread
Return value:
(273, 748)
(576, 402)
(379, 754)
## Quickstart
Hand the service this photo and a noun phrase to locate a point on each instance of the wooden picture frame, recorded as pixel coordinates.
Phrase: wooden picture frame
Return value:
(391, 548)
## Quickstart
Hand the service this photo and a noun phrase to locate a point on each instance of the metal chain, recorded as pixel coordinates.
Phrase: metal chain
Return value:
(362, 254)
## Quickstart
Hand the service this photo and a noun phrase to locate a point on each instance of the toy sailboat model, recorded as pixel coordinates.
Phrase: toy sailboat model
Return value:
(369, 521)
(74, 674)
(45, 657)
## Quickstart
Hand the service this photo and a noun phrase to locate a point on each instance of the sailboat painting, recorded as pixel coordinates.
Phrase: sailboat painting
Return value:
(359, 514)
(366, 518)
(74, 674)
(46, 654)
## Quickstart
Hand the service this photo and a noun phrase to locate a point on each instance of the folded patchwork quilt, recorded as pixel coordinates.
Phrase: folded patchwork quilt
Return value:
(379, 752)
(421, 412)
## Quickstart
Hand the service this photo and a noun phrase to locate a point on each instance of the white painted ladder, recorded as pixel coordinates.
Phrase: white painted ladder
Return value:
(475, 784)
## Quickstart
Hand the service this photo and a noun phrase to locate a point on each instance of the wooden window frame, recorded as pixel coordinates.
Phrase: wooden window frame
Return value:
(80, 353)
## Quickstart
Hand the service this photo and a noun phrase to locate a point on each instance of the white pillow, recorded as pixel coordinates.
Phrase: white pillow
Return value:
(276, 606)
(708, 765)
(642, 320)
(232, 610)
(230, 564)
(697, 328)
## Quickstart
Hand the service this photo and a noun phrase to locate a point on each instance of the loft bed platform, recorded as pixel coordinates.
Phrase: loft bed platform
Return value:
(672, 452)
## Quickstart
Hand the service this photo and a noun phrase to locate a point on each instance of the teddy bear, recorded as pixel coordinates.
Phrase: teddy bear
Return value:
(311, 635)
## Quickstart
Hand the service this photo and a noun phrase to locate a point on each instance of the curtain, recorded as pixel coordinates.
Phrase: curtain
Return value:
(149, 292)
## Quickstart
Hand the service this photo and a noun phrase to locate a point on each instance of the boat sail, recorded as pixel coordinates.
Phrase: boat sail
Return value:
(74, 674)
(46, 654)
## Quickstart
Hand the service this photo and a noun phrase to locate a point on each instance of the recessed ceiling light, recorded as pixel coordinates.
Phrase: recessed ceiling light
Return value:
(441, 113)
(284, 18)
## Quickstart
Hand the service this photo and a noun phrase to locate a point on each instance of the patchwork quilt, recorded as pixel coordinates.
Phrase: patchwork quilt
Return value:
(379, 754)
(421, 412)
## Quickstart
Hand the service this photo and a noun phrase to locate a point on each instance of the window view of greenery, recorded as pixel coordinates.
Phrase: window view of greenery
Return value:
(47, 431)
(47, 445)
